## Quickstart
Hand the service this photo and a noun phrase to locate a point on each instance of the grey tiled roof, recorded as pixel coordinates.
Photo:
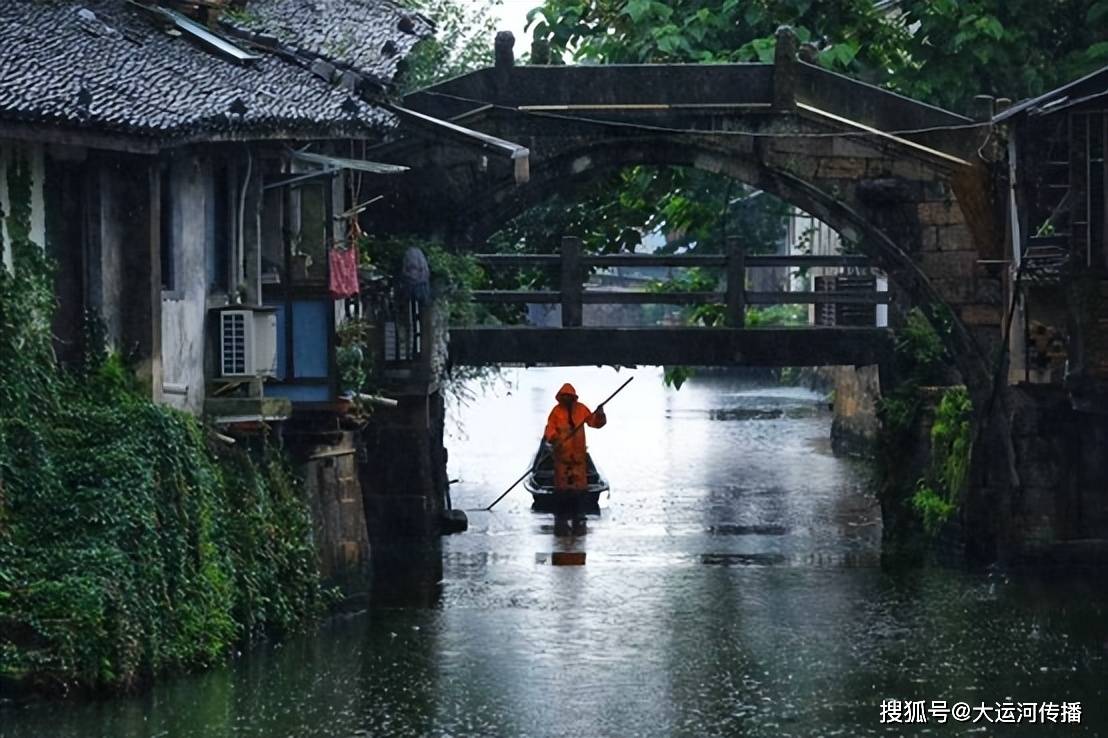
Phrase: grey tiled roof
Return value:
(110, 66)
(368, 36)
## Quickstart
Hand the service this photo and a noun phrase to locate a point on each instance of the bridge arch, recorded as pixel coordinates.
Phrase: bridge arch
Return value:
(850, 215)
(911, 183)
(839, 149)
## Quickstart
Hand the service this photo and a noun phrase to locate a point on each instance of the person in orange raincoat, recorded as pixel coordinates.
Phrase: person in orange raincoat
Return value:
(570, 469)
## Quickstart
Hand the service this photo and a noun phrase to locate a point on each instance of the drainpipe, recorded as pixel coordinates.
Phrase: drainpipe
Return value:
(240, 272)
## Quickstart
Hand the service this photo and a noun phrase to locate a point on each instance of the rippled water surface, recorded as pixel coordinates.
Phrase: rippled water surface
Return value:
(732, 587)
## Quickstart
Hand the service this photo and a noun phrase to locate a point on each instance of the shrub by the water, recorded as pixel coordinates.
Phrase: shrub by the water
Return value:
(922, 360)
(129, 545)
(937, 495)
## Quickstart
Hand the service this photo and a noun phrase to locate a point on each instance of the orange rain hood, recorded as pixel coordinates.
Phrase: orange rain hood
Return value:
(567, 389)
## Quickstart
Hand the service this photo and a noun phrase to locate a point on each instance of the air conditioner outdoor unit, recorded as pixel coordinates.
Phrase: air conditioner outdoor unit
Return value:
(248, 342)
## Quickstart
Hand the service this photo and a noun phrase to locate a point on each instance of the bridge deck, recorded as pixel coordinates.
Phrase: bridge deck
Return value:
(676, 345)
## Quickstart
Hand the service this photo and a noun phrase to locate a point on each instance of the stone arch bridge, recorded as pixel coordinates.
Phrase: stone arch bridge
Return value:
(908, 183)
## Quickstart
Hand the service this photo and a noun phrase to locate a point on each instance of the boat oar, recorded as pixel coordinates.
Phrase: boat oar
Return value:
(547, 453)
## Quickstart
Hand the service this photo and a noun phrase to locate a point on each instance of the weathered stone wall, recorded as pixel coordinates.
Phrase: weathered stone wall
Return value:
(403, 472)
(330, 473)
(854, 427)
(1061, 506)
(1053, 512)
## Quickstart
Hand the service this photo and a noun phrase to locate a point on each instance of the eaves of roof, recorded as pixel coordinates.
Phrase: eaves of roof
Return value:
(114, 70)
(1088, 86)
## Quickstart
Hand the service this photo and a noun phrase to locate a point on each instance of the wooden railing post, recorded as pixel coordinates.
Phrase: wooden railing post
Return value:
(736, 283)
(572, 283)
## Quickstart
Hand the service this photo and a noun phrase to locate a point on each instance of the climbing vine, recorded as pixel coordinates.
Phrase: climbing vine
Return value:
(129, 544)
(937, 494)
(923, 360)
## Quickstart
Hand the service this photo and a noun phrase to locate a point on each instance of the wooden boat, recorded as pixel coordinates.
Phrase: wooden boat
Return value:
(540, 483)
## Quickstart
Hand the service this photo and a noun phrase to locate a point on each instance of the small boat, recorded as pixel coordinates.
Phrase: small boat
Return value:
(540, 483)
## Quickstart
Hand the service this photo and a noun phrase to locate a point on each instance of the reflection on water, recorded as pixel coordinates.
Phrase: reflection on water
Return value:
(731, 588)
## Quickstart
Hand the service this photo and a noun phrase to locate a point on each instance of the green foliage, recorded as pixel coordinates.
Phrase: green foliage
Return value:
(776, 315)
(132, 548)
(918, 342)
(128, 546)
(921, 353)
(898, 412)
(921, 359)
(354, 355)
(706, 280)
(1009, 48)
(695, 280)
(463, 41)
(697, 211)
(941, 51)
(951, 439)
(937, 495)
(852, 35)
(675, 376)
(453, 275)
(269, 538)
(934, 510)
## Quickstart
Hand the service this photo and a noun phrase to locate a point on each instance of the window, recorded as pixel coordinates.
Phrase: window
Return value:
(273, 236)
(309, 252)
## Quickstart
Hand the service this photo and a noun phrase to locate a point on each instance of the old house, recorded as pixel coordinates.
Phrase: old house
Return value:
(1058, 228)
(192, 170)
(1056, 209)
(178, 160)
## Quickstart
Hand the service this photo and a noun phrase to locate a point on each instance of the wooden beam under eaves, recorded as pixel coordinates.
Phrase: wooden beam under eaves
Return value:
(520, 155)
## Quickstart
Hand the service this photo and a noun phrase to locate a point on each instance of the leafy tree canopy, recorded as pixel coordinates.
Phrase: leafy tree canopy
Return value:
(462, 42)
(941, 51)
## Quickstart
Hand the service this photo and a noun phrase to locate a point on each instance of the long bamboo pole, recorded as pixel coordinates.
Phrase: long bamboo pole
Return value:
(571, 434)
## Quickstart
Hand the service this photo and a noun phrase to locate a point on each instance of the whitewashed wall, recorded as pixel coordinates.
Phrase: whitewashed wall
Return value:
(185, 306)
(12, 152)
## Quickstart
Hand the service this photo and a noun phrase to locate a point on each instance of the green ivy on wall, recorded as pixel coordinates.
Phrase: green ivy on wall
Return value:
(129, 544)
(922, 360)
(937, 495)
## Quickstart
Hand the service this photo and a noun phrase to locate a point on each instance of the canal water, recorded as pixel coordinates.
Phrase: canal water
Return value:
(732, 587)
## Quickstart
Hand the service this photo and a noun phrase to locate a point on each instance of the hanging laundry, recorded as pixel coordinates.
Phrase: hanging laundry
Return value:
(415, 276)
(344, 272)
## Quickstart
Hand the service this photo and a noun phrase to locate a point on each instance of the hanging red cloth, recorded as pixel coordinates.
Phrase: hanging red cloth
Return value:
(344, 272)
